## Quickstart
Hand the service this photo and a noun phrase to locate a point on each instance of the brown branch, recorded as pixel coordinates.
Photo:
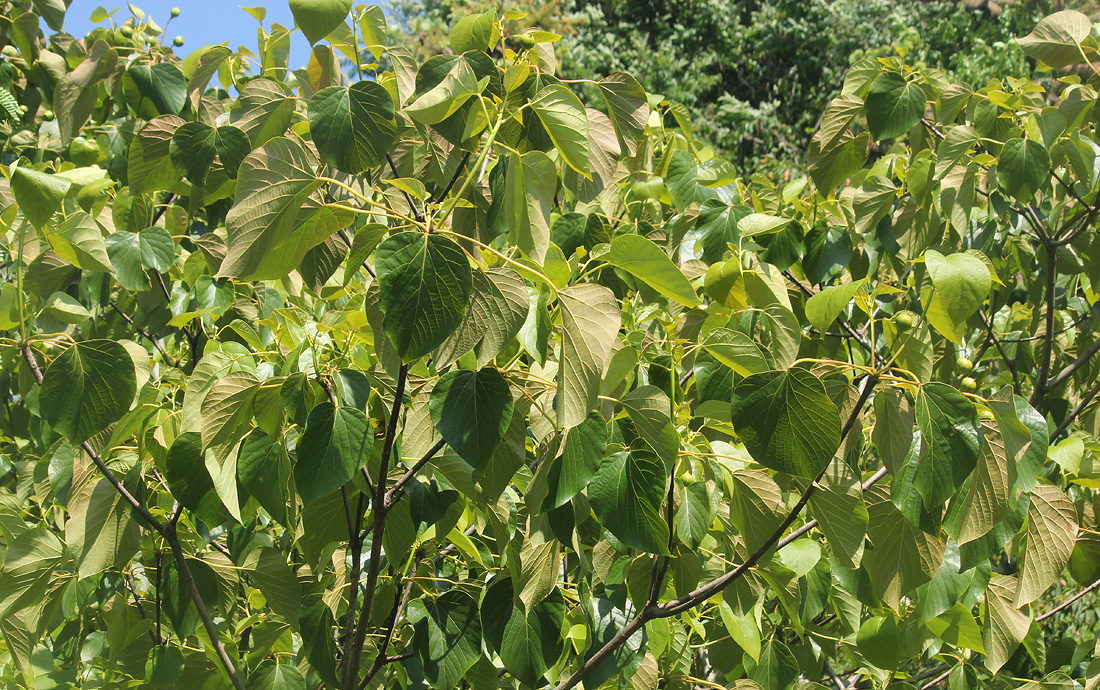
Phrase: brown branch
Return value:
(200, 606)
(378, 505)
(1076, 411)
(454, 178)
(137, 602)
(394, 494)
(395, 616)
(168, 531)
(1067, 602)
(1011, 363)
(1072, 367)
(1041, 387)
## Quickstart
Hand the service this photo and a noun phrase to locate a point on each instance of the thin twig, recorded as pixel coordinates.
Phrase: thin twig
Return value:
(1010, 362)
(144, 334)
(137, 602)
(1067, 602)
(355, 648)
(394, 493)
(1073, 366)
(454, 178)
(1075, 412)
(412, 204)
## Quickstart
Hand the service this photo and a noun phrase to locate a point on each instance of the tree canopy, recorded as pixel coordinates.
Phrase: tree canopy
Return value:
(436, 376)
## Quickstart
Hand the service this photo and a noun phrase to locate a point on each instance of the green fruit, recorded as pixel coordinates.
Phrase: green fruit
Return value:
(175, 12)
(963, 365)
(83, 152)
(48, 115)
(128, 31)
(523, 42)
(903, 321)
(969, 385)
(879, 642)
(177, 41)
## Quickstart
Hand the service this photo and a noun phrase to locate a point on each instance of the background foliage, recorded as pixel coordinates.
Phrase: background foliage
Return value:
(435, 377)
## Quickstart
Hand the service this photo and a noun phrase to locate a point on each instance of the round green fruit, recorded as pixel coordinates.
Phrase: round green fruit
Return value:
(523, 42)
(48, 115)
(128, 31)
(175, 12)
(177, 41)
(903, 321)
(879, 642)
(963, 365)
(83, 152)
(969, 385)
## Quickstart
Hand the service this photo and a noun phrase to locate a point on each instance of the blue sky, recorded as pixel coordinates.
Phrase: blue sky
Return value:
(201, 22)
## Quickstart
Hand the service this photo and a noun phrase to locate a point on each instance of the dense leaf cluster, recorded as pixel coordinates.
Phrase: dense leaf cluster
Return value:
(442, 378)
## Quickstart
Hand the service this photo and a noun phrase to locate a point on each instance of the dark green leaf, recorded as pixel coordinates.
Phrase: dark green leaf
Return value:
(787, 421)
(334, 445)
(353, 127)
(950, 442)
(894, 106)
(627, 494)
(528, 643)
(424, 283)
(87, 388)
(472, 410)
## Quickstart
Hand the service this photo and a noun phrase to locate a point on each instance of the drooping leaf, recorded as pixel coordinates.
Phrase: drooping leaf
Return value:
(265, 472)
(627, 107)
(962, 283)
(1051, 533)
(894, 105)
(1006, 625)
(472, 410)
(424, 283)
(1056, 39)
(271, 675)
(38, 194)
(1023, 168)
(101, 532)
(563, 116)
(195, 146)
(950, 442)
(447, 637)
(529, 643)
(335, 444)
(645, 260)
(353, 127)
(627, 494)
(787, 421)
(318, 18)
(87, 387)
(274, 220)
(904, 557)
(153, 90)
(582, 453)
(185, 471)
(590, 322)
